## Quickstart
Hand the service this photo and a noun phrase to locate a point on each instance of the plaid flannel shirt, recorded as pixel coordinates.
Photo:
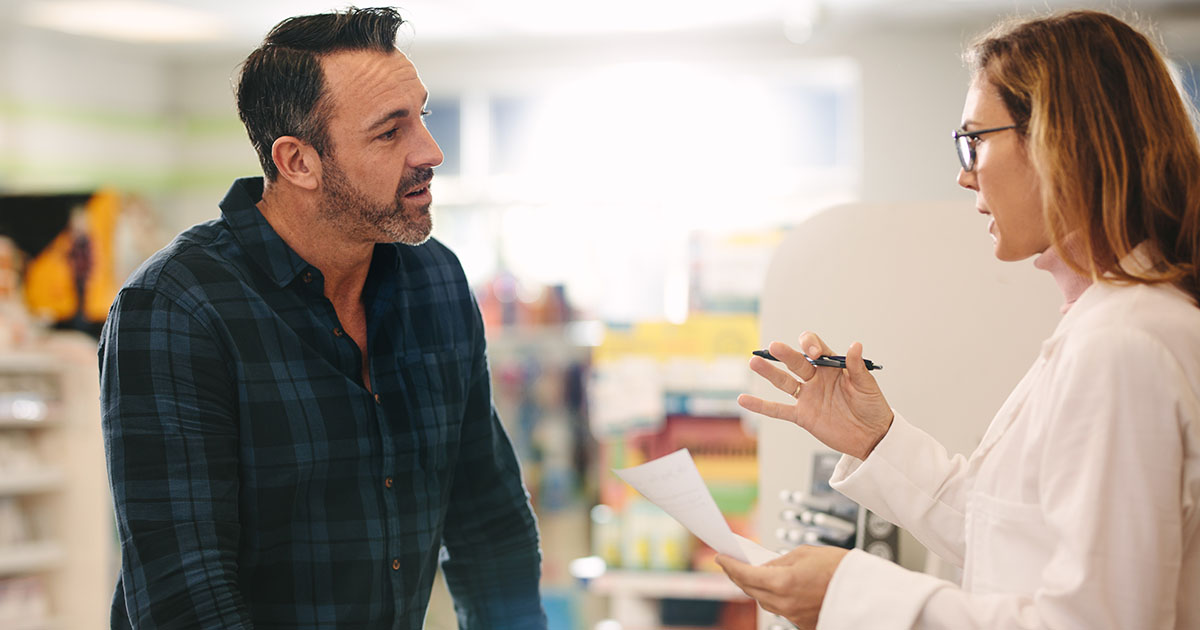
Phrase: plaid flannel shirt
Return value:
(259, 484)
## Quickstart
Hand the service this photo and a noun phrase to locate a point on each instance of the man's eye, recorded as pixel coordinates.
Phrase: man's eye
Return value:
(388, 135)
(425, 112)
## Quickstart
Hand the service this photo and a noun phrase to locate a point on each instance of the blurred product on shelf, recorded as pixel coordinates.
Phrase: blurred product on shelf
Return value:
(70, 244)
(539, 374)
(657, 387)
(507, 303)
(23, 603)
(16, 448)
(15, 325)
(15, 528)
(727, 269)
(579, 398)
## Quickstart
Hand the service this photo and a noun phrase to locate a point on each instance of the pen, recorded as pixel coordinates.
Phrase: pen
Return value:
(822, 361)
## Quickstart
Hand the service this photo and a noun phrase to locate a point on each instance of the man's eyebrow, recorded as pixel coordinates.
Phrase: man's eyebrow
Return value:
(386, 118)
(403, 112)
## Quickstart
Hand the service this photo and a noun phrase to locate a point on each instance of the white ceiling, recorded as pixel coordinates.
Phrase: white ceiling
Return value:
(238, 23)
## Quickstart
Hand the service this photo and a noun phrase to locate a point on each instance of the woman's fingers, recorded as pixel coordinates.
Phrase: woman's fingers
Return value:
(793, 359)
(754, 581)
(770, 408)
(812, 345)
(746, 576)
(781, 379)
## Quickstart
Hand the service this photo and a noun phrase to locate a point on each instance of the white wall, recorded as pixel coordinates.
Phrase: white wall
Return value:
(213, 148)
(80, 113)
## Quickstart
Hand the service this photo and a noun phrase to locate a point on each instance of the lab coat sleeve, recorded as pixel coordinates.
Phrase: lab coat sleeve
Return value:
(910, 480)
(1111, 473)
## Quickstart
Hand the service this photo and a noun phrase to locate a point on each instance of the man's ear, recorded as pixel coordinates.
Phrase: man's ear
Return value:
(297, 162)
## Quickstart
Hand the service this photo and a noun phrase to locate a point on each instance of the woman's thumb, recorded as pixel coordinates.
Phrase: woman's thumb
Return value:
(860, 377)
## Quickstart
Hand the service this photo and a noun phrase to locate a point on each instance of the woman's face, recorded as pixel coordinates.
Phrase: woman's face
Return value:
(1005, 184)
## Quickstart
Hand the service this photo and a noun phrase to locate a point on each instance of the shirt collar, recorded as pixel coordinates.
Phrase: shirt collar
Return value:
(264, 245)
(260, 241)
(1139, 260)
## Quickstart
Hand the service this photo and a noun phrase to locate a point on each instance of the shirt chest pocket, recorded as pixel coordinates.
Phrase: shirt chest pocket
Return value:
(437, 384)
(1008, 545)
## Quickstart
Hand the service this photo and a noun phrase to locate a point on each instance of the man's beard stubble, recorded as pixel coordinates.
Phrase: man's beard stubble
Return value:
(350, 210)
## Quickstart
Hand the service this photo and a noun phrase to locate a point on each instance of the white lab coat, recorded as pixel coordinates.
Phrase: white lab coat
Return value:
(1078, 510)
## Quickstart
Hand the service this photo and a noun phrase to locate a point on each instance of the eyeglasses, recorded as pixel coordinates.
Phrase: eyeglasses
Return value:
(965, 141)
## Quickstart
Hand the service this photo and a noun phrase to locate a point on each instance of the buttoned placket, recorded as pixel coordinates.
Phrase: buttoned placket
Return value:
(375, 404)
(389, 492)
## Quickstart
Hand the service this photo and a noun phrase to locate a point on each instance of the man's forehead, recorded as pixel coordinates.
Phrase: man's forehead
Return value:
(349, 69)
(368, 79)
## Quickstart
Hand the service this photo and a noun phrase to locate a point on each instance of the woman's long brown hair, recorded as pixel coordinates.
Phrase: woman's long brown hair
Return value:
(1113, 140)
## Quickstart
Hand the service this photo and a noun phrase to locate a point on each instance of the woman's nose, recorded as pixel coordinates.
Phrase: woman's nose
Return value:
(966, 179)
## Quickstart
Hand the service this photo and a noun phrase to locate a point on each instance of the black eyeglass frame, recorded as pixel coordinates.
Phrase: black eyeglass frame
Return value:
(967, 159)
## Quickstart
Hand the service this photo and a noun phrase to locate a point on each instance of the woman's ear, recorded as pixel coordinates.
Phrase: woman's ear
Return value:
(297, 162)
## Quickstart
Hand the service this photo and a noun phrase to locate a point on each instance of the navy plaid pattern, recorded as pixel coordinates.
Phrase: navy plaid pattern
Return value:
(259, 484)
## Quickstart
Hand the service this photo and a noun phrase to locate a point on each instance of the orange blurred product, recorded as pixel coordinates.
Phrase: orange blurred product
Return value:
(79, 261)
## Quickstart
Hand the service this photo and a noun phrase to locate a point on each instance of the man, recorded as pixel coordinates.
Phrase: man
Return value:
(296, 406)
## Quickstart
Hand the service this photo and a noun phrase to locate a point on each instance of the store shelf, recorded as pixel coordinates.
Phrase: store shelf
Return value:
(30, 624)
(29, 558)
(15, 423)
(29, 362)
(29, 482)
(562, 342)
(667, 585)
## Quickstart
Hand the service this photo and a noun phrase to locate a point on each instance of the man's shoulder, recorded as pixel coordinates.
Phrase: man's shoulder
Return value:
(193, 260)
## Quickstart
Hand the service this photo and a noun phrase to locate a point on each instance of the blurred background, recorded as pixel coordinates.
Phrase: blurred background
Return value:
(619, 177)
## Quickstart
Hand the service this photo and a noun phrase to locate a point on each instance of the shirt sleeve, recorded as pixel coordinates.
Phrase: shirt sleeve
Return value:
(492, 561)
(910, 480)
(1110, 479)
(170, 432)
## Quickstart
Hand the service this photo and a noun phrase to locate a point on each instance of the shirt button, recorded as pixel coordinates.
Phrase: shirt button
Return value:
(396, 564)
(337, 332)
(307, 277)
(377, 400)
(387, 483)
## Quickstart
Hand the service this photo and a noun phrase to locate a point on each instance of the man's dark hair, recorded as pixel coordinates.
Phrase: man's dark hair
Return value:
(281, 87)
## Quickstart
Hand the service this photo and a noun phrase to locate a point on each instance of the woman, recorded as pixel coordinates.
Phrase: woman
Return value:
(1081, 506)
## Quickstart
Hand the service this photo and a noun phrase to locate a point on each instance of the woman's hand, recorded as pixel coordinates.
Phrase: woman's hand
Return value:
(792, 586)
(843, 408)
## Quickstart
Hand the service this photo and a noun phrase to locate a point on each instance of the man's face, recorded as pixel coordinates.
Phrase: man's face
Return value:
(375, 178)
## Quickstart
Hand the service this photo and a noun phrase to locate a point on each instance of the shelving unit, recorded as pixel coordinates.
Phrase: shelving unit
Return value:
(659, 387)
(30, 482)
(30, 558)
(57, 562)
(49, 624)
(635, 597)
(667, 585)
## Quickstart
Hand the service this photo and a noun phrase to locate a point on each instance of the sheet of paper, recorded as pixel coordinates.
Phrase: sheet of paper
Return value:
(673, 483)
(755, 553)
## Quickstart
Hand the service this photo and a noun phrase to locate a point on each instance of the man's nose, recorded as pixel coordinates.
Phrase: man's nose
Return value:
(427, 153)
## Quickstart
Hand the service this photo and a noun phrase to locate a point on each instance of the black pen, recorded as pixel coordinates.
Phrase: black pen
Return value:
(822, 361)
